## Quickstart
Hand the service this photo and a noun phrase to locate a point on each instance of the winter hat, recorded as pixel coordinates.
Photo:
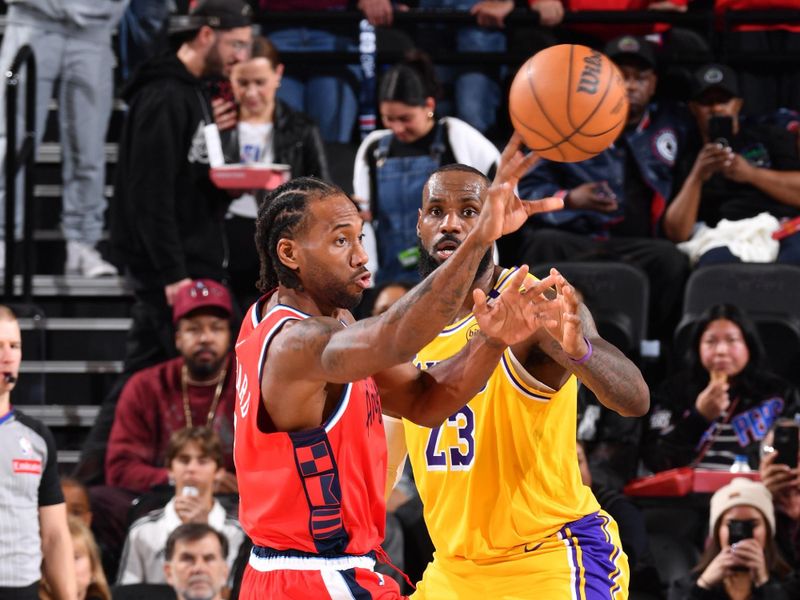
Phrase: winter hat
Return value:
(742, 491)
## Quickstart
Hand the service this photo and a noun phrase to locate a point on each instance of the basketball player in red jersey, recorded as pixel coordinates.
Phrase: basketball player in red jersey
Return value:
(310, 448)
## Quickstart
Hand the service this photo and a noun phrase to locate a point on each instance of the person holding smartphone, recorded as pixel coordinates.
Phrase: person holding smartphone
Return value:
(780, 473)
(741, 560)
(734, 170)
(256, 127)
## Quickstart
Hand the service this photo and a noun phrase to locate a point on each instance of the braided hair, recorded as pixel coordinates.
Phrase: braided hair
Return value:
(282, 214)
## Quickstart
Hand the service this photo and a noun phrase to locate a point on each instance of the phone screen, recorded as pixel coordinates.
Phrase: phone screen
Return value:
(739, 530)
(786, 442)
(720, 129)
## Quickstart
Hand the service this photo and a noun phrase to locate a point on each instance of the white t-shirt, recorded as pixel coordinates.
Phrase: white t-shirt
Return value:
(255, 146)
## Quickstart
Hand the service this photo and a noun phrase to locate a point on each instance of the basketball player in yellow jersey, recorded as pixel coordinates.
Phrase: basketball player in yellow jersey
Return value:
(499, 479)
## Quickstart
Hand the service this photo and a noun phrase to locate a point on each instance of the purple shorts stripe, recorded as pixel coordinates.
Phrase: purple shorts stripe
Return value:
(594, 558)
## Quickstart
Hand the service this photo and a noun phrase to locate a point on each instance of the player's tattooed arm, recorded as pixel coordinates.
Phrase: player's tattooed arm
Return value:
(576, 345)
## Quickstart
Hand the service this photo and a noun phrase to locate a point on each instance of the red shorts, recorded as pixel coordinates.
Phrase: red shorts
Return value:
(316, 578)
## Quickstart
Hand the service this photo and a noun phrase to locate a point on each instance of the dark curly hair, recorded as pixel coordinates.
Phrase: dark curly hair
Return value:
(282, 215)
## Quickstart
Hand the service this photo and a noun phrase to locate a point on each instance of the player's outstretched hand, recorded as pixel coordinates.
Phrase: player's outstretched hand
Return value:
(504, 212)
(517, 312)
(564, 324)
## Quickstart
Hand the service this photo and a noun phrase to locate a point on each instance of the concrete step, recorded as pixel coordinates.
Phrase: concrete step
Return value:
(86, 338)
(62, 415)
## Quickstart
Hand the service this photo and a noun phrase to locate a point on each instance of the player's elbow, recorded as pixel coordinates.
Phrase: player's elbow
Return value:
(639, 405)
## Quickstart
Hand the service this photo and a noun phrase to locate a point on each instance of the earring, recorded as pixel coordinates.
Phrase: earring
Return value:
(430, 114)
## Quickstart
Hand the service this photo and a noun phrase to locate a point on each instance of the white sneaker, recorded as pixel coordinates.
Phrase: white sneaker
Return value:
(83, 259)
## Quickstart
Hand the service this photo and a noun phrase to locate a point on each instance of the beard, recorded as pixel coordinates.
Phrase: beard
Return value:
(333, 291)
(204, 369)
(428, 263)
(214, 67)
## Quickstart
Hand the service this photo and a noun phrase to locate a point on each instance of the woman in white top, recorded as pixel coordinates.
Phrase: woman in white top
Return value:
(263, 130)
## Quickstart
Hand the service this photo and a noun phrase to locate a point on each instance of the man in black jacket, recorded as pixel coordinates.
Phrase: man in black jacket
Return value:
(167, 218)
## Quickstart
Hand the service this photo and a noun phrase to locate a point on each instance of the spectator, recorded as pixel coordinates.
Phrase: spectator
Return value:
(783, 483)
(71, 43)
(76, 497)
(326, 92)
(167, 219)
(34, 537)
(615, 202)
(392, 165)
(735, 566)
(265, 131)
(388, 295)
(91, 580)
(723, 404)
(730, 174)
(193, 390)
(194, 460)
(194, 562)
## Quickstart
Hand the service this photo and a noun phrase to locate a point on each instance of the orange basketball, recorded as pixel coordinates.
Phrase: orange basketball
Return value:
(568, 103)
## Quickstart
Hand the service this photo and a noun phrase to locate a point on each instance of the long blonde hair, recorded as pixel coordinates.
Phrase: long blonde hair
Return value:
(98, 588)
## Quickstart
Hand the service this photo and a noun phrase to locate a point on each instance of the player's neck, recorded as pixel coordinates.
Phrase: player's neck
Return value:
(302, 301)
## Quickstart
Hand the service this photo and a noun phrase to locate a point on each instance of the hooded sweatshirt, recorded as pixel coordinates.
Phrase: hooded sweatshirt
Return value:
(167, 215)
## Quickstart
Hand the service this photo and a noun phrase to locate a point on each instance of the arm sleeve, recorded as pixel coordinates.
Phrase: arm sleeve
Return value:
(131, 459)
(153, 167)
(49, 487)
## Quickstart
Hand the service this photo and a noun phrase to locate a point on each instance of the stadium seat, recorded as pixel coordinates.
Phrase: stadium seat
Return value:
(769, 293)
(137, 591)
(674, 557)
(616, 293)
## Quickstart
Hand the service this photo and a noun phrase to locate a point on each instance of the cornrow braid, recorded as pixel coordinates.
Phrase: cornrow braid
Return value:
(281, 215)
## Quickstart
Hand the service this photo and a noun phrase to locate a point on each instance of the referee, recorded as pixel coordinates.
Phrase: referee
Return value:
(33, 516)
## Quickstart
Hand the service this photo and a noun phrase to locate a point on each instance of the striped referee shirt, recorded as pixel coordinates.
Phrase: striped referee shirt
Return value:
(28, 480)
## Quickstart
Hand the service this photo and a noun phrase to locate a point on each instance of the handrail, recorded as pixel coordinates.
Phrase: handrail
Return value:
(16, 159)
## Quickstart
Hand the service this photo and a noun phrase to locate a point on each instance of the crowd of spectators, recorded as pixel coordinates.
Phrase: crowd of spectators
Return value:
(692, 181)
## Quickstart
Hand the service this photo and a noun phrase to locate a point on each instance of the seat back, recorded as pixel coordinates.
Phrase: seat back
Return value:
(617, 294)
(137, 591)
(768, 293)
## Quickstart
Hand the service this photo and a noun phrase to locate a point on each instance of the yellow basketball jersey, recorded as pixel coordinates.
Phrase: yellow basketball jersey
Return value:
(502, 472)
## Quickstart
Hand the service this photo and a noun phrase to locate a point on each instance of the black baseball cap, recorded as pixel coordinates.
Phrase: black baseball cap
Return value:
(714, 76)
(217, 14)
(631, 46)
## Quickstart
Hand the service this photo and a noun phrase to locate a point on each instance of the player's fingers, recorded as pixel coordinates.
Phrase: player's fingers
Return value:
(549, 204)
(479, 298)
(518, 283)
(512, 147)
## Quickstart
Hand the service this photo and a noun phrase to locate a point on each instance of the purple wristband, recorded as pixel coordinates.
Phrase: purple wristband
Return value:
(585, 358)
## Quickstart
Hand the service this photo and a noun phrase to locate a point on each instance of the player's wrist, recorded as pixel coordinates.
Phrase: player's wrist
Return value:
(582, 356)
(492, 342)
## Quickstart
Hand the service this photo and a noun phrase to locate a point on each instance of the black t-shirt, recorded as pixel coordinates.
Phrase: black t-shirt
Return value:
(637, 205)
(761, 145)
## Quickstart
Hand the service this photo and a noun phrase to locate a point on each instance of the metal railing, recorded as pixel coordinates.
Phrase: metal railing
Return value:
(16, 160)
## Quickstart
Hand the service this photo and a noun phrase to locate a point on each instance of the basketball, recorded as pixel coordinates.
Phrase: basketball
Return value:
(568, 103)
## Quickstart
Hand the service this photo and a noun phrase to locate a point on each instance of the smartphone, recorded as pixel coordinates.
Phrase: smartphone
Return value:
(785, 441)
(221, 88)
(720, 130)
(739, 530)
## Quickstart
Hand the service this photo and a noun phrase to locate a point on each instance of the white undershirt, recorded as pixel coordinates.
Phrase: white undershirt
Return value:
(255, 146)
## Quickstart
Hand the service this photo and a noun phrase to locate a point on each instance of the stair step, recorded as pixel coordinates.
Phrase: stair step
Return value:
(75, 324)
(70, 367)
(75, 285)
(50, 153)
(62, 415)
(55, 190)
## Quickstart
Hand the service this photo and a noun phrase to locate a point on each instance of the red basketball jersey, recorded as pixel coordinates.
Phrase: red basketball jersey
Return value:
(320, 490)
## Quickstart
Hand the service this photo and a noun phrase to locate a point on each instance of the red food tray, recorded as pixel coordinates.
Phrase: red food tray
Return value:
(683, 481)
(250, 177)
